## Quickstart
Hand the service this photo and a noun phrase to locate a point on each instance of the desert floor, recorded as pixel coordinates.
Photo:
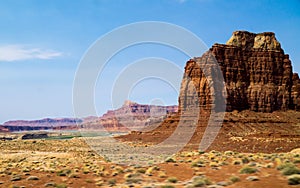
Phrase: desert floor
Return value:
(72, 163)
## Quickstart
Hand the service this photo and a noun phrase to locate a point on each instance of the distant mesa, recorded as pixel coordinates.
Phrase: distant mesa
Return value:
(42, 124)
(131, 114)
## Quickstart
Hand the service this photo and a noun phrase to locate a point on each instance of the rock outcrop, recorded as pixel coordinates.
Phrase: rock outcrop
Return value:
(257, 73)
(249, 41)
(296, 92)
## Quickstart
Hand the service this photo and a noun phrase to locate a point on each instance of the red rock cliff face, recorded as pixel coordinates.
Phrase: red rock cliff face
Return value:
(257, 74)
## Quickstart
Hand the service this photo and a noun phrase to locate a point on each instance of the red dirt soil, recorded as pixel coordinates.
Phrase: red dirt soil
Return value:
(244, 131)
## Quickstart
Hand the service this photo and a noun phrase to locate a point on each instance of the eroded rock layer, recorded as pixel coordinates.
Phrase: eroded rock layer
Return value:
(257, 73)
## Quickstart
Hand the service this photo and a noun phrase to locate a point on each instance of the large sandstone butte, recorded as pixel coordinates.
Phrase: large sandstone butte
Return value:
(262, 101)
(258, 75)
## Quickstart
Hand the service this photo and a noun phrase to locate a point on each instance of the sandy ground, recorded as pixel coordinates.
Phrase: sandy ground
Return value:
(72, 163)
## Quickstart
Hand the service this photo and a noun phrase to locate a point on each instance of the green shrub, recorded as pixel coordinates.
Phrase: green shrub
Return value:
(74, 175)
(112, 182)
(172, 180)
(167, 186)
(234, 179)
(290, 169)
(245, 160)
(248, 170)
(198, 163)
(237, 162)
(133, 180)
(269, 165)
(296, 160)
(228, 152)
(64, 172)
(61, 185)
(170, 160)
(294, 179)
(284, 165)
(201, 181)
(297, 155)
(89, 181)
(142, 171)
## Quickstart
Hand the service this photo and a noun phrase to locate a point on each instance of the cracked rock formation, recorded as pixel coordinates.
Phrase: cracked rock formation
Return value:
(257, 73)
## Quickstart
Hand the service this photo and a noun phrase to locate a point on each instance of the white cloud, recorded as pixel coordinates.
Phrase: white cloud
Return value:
(20, 52)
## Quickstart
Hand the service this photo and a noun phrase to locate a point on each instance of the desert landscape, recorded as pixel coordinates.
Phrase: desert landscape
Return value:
(257, 145)
(71, 163)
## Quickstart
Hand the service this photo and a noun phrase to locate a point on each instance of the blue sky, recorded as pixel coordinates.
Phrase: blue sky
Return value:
(42, 42)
